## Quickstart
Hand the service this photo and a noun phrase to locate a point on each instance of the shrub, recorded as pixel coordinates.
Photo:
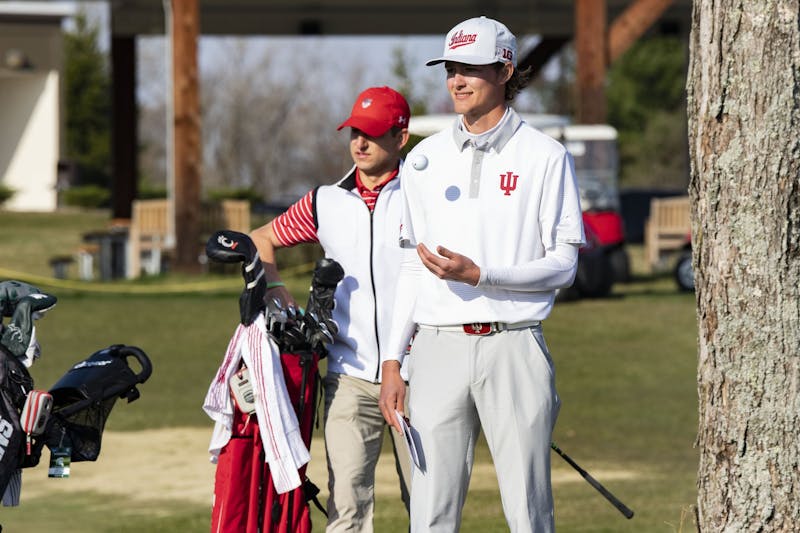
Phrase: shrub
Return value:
(234, 194)
(87, 196)
(149, 192)
(6, 193)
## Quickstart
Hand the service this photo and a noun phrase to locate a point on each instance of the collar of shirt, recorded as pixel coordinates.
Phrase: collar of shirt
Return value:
(366, 193)
(363, 189)
(496, 138)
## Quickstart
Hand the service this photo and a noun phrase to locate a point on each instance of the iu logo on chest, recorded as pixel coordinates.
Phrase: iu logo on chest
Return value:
(508, 182)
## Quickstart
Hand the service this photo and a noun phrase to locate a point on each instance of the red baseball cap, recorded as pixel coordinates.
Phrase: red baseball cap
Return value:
(378, 109)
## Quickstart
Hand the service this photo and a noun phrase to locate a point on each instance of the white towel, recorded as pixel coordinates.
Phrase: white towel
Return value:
(284, 449)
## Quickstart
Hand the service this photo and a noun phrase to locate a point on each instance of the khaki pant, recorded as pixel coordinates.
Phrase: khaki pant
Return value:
(354, 429)
(503, 383)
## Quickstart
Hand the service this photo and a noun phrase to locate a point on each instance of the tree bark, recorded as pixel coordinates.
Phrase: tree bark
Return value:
(744, 142)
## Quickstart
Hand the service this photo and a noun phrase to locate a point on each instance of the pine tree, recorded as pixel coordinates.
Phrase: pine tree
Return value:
(88, 104)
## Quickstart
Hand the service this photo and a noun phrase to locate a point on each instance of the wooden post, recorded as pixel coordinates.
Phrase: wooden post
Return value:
(187, 147)
(632, 23)
(590, 47)
(124, 126)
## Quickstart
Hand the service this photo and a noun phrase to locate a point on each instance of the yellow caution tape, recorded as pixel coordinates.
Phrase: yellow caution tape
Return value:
(138, 288)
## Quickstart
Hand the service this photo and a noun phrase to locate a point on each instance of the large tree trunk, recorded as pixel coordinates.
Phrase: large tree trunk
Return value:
(744, 135)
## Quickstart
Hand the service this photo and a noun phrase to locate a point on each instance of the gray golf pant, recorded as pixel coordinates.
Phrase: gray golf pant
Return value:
(504, 383)
(354, 429)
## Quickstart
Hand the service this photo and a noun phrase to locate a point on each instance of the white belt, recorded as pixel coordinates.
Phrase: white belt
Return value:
(484, 328)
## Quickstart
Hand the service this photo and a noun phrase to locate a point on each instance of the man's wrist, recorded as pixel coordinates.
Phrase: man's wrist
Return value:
(391, 365)
(481, 277)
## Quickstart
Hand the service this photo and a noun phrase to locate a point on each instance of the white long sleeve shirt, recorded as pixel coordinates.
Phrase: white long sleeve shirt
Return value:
(511, 204)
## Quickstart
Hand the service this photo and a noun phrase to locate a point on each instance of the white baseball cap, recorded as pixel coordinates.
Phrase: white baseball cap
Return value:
(479, 41)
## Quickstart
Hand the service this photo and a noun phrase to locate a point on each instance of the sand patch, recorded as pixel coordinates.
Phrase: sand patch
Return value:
(172, 464)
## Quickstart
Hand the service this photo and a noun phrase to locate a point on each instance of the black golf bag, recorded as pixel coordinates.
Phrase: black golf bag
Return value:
(84, 396)
(23, 304)
(15, 383)
(77, 406)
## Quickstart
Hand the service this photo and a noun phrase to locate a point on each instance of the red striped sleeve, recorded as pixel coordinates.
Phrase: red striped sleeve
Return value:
(296, 225)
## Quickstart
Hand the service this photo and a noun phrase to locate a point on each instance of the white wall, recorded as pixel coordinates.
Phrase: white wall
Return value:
(30, 125)
(29, 140)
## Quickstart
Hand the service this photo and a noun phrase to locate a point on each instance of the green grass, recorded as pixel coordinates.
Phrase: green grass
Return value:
(92, 512)
(29, 240)
(626, 374)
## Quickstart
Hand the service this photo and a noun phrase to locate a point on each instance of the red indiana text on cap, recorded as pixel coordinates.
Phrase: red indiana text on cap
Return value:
(459, 39)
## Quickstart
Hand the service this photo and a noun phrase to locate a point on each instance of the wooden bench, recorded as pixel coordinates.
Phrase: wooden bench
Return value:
(149, 229)
(666, 229)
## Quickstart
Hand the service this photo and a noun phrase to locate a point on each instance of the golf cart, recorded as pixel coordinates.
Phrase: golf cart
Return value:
(604, 259)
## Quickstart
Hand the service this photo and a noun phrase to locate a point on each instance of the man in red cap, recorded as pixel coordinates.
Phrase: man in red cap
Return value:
(356, 221)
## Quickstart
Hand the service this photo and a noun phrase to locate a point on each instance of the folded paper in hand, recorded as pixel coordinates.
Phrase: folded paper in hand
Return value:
(412, 448)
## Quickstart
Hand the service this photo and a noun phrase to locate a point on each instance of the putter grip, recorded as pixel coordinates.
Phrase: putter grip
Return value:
(621, 507)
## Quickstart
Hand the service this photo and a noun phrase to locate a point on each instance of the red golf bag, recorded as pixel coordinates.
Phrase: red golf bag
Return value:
(245, 497)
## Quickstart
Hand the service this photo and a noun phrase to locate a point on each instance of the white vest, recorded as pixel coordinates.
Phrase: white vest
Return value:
(367, 247)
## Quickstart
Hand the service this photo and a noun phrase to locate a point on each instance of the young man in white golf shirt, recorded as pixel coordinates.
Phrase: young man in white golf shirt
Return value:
(492, 207)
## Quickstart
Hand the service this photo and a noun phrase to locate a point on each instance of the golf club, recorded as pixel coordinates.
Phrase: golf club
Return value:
(621, 507)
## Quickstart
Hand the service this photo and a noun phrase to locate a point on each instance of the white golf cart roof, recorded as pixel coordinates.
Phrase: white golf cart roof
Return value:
(556, 126)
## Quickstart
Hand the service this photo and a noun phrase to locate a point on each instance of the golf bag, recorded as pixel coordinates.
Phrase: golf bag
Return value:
(84, 396)
(246, 495)
(15, 383)
(71, 416)
(23, 304)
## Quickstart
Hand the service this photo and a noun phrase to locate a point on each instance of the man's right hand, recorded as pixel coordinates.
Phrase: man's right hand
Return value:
(283, 296)
(393, 393)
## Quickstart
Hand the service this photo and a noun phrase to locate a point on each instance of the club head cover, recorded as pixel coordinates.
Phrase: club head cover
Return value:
(13, 291)
(24, 303)
(251, 301)
(227, 246)
(320, 327)
(327, 273)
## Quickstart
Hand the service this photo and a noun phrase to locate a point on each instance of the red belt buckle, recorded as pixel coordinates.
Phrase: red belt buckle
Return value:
(477, 328)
